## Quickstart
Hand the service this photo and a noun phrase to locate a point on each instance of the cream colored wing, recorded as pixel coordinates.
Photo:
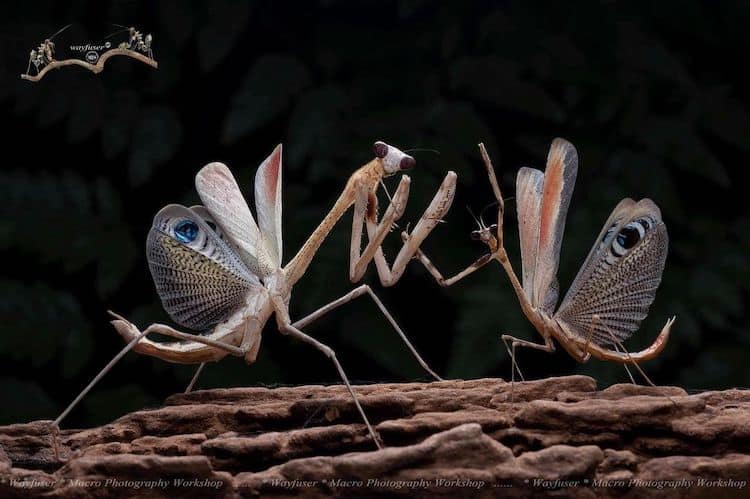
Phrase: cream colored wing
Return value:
(222, 197)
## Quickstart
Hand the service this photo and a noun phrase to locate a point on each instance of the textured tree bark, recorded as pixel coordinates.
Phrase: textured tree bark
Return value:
(557, 436)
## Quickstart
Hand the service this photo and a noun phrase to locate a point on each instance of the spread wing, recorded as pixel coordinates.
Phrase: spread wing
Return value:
(529, 187)
(200, 279)
(559, 179)
(620, 276)
(268, 205)
(222, 197)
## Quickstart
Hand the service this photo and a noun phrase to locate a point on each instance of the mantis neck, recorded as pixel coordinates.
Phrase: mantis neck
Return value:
(365, 176)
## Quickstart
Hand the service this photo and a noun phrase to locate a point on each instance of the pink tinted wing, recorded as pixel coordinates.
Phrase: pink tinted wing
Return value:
(268, 204)
(529, 187)
(559, 180)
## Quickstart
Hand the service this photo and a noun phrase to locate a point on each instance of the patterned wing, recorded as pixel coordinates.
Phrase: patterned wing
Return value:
(200, 279)
(619, 279)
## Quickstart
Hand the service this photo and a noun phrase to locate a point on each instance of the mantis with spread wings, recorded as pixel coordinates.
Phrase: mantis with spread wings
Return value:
(614, 288)
(219, 272)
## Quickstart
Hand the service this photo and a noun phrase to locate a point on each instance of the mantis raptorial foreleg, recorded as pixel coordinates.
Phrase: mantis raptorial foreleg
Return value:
(365, 209)
(376, 232)
(492, 236)
(433, 270)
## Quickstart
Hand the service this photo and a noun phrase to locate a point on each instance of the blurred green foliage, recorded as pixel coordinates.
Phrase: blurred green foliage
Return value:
(653, 96)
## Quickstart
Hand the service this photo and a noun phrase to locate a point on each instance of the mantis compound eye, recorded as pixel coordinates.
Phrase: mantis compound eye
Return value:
(392, 159)
(407, 163)
(476, 235)
(186, 231)
(380, 149)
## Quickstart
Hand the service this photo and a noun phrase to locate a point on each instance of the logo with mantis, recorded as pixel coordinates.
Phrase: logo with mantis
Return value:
(135, 45)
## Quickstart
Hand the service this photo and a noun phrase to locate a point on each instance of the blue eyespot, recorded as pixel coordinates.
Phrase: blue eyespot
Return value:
(186, 231)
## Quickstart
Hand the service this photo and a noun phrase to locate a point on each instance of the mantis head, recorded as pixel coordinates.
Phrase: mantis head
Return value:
(485, 234)
(392, 158)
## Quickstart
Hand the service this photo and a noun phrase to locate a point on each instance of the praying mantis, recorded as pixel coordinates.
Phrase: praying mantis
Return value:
(44, 54)
(218, 271)
(615, 286)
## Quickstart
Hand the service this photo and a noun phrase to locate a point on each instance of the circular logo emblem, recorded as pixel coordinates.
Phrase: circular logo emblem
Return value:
(92, 56)
(107, 45)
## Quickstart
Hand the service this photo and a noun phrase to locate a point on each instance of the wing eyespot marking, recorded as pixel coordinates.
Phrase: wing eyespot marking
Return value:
(609, 232)
(186, 231)
(630, 235)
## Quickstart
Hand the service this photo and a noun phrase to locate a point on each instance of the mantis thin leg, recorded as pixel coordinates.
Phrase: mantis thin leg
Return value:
(627, 369)
(195, 377)
(495, 190)
(154, 328)
(590, 335)
(547, 346)
(356, 293)
(328, 352)
(617, 342)
(165, 330)
(512, 352)
(98, 377)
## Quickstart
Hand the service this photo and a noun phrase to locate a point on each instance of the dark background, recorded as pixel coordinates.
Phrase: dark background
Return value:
(653, 96)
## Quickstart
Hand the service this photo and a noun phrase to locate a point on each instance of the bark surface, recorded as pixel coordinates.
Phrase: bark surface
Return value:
(478, 438)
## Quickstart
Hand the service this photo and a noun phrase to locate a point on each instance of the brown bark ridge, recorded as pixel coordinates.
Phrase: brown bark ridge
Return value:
(554, 437)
